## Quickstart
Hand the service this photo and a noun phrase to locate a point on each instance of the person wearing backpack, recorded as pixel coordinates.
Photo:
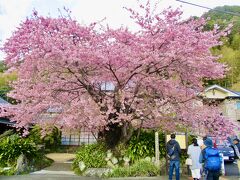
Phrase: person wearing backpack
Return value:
(173, 152)
(212, 160)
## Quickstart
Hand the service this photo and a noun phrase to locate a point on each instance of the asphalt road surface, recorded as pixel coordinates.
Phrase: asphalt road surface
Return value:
(46, 177)
(231, 169)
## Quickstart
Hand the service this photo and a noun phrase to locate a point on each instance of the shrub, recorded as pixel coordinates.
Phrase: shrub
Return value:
(120, 172)
(7, 172)
(93, 156)
(139, 168)
(144, 146)
(13, 146)
(36, 163)
(141, 147)
(144, 168)
(51, 141)
(6, 133)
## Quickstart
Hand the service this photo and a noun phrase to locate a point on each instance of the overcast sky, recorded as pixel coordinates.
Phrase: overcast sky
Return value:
(12, 12)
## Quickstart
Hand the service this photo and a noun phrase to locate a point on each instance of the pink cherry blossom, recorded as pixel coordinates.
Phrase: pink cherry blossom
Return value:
(156, 73)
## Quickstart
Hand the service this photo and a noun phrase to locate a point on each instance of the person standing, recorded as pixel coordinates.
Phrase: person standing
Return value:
(174, 152)
(211, 159)
(194, 152)
(236, 148)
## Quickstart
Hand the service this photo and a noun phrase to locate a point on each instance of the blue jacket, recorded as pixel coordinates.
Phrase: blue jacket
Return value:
(208, 143)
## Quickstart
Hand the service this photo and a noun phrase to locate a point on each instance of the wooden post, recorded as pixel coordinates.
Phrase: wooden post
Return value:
(166, 157)
(157, 149)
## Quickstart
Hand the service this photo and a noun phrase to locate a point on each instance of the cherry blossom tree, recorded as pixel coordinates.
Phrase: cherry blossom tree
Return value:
(114, 80)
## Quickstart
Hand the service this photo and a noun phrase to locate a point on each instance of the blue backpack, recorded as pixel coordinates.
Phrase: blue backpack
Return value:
(213, 159)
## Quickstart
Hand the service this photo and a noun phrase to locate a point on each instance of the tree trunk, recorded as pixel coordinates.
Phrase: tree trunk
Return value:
(116, 134)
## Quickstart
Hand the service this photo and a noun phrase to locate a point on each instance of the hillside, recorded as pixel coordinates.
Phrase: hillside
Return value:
(230, 50)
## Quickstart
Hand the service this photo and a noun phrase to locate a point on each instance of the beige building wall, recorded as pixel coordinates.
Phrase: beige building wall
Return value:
(229, 107)
(227, 100)
(217, 94)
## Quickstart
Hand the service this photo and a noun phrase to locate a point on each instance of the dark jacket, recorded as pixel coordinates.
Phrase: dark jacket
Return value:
(235, 154)
(238, 145)
(177, 149)
(202, 156)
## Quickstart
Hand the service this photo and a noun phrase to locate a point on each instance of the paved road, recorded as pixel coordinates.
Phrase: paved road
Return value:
(66, 177)
(61, 157)
(231, 173)
(231, 169)
(46, 177)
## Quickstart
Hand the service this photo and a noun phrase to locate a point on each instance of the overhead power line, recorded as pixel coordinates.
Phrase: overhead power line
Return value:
(227, 12)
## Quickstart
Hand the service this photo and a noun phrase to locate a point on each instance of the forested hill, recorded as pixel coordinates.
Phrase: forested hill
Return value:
(230, 50)
(224, 19)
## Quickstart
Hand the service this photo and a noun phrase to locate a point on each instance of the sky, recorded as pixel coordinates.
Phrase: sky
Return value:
(13, 12)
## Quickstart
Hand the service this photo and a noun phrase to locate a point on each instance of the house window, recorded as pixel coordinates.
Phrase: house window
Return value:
(65, 139)
(84, 137)
(238, 105)
(107, 86)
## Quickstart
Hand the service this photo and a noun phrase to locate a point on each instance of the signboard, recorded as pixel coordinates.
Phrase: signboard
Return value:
(180, 138)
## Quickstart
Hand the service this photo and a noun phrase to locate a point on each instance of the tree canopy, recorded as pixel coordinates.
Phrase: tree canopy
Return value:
(5, 80)
(229, 51)
(155, 74)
